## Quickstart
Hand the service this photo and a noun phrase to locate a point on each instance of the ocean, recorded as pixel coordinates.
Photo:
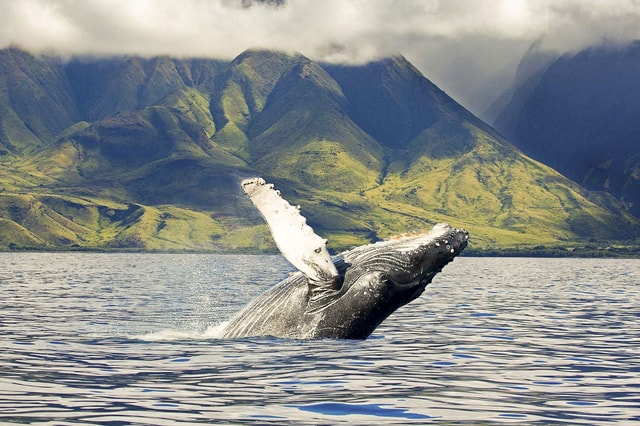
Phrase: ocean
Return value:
(115, 339)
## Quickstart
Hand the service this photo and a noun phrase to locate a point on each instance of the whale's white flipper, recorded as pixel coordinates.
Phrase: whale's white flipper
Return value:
(296, 240)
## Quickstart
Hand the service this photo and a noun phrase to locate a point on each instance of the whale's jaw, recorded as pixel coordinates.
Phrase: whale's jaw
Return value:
(421, 257)
(413, 258)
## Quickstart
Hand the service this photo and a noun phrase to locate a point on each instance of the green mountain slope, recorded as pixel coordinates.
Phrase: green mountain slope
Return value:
(149, 154)
(35, 101)
(324, 146)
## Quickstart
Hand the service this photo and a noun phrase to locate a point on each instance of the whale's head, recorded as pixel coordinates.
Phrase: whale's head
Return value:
(411, 262)
(379, 278)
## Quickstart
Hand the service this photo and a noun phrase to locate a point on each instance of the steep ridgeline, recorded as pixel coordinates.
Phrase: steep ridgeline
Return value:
(128, 152)
(581, 115)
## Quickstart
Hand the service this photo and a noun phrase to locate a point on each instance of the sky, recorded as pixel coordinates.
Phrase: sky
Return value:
(469, 48)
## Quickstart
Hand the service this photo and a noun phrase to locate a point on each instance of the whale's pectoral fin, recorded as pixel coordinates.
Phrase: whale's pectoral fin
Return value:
(296, 240)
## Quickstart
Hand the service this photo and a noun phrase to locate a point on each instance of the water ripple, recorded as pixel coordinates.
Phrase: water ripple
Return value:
(127, 339)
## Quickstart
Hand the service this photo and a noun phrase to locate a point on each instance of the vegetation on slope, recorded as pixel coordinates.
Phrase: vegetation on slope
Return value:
(148, 154)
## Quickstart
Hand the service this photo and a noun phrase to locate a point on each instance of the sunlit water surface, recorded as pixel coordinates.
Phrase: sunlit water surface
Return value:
(130, 339)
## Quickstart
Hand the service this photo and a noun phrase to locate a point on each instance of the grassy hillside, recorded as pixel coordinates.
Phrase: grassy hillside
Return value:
(35, 221)
(148, 154)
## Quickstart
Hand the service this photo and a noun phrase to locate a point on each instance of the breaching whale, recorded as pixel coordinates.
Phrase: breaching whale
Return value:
(348, 296)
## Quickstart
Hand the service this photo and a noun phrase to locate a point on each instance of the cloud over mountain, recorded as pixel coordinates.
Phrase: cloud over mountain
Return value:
(460, 44)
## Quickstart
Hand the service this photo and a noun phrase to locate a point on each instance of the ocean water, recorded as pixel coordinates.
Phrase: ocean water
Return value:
(130, 339)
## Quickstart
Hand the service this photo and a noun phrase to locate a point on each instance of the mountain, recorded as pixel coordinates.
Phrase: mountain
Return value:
(532, 66)
(148, 153)
(579, 114)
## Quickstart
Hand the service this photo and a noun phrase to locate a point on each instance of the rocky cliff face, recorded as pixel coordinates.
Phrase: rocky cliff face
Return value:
(580, 116)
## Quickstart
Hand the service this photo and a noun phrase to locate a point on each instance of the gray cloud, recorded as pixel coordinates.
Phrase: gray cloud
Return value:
(465, 46)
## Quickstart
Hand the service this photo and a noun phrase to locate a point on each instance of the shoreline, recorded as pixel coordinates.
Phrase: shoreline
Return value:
(622, 252)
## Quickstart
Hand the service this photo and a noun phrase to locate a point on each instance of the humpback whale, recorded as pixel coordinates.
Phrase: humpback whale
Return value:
(344, 297)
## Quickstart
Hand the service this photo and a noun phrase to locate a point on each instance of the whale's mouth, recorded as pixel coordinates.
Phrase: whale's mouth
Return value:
(416, 260)
(407, 263)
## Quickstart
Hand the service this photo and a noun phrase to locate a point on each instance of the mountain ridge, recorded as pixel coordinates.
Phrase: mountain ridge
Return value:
(579, 115)
(368, 151)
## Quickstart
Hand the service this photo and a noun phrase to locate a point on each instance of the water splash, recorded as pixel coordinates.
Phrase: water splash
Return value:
(168, 335)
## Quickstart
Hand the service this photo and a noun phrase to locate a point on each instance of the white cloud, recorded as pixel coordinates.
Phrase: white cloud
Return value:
(460, 44)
